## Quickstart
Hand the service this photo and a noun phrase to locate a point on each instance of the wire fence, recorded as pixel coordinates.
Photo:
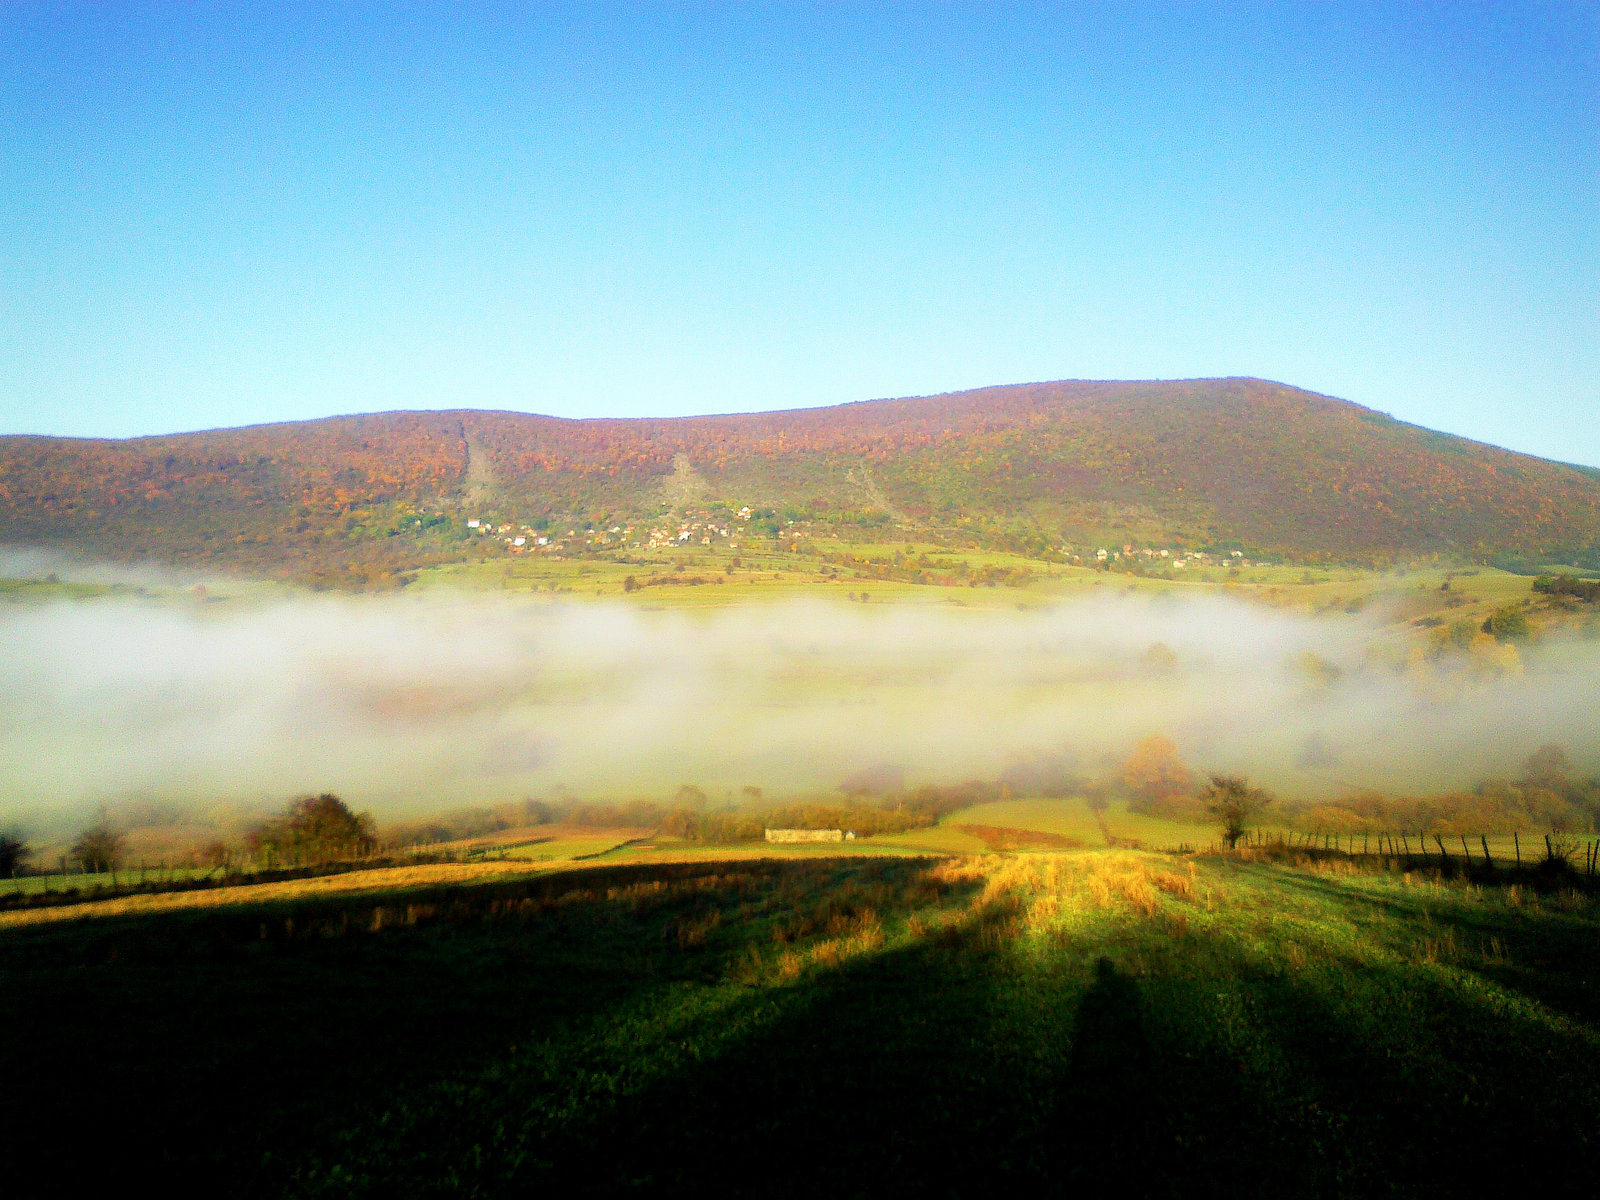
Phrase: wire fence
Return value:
(1483, 854)
(69, 881)
(1564, 851)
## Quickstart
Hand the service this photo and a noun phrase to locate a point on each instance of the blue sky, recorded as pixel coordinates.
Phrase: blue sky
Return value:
(219, 215)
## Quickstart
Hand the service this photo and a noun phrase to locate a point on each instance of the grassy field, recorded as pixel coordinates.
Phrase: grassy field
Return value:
(1412, 601)
(1072, 817)
(863, 1025)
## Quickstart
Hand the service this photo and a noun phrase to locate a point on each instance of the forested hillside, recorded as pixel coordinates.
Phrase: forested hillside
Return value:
(1210, 462)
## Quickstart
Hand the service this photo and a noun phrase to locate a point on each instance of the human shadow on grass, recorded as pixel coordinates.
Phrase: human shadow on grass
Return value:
(1154, 1101)
(495, 1051)
(943, 1067)
(949, 1066)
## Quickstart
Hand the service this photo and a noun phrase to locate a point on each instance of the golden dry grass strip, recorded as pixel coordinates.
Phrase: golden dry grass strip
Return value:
(380, 879)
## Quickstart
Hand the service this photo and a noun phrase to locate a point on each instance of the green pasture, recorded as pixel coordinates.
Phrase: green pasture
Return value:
(88, 881)
(1072, 817)
(1076, 1023)
(566, 849)
(1412, 599)
(54, 589)
(678, 850)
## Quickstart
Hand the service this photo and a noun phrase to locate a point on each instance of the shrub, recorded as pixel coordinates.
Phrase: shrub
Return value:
(1506, 623)
(1567, 585)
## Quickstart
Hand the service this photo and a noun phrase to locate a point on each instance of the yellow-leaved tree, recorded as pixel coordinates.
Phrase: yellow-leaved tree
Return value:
(1156, 777)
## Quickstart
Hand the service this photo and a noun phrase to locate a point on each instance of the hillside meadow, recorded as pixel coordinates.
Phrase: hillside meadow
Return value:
(1169, 1024)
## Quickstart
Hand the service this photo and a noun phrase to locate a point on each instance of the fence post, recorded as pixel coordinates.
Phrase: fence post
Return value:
(1465, 853)
(1516, 844)
(1487, 861)
(1443, 853)
(1549, 850)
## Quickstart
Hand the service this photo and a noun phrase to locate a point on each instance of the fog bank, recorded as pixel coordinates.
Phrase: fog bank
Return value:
(415, 702)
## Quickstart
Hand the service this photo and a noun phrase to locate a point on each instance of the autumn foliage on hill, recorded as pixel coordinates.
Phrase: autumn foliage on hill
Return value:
(1207, 461)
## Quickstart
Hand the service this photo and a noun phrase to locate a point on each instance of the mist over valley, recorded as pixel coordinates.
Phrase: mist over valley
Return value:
(448, 698)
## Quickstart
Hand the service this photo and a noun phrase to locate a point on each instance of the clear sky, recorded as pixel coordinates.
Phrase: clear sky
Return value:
(224, 214)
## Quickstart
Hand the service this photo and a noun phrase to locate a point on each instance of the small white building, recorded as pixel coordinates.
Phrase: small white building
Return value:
(806, 835)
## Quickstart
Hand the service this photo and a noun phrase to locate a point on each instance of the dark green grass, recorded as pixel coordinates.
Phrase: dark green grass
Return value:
(856, 1027)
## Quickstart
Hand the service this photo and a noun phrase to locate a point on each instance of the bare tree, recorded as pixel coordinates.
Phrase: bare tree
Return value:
(98, 848)
(1235, 803)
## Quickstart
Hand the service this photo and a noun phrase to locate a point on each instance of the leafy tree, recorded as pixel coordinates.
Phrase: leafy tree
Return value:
(1235, 803)
(1154, 773)
(691, 796)
(14, 854)
(314, 829)
(98, 848)
(1548, 767)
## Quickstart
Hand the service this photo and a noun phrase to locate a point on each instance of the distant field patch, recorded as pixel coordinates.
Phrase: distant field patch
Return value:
(1000, 837)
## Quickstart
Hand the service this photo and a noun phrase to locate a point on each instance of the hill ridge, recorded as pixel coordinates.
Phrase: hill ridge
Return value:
(1232, 460)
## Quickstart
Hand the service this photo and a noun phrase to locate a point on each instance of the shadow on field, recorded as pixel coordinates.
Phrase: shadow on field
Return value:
(1535, 949)
(1110, 1064)
(238, 1044)
(857, 1027)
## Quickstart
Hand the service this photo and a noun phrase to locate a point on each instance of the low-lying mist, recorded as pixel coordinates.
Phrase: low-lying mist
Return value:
(415, 703)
